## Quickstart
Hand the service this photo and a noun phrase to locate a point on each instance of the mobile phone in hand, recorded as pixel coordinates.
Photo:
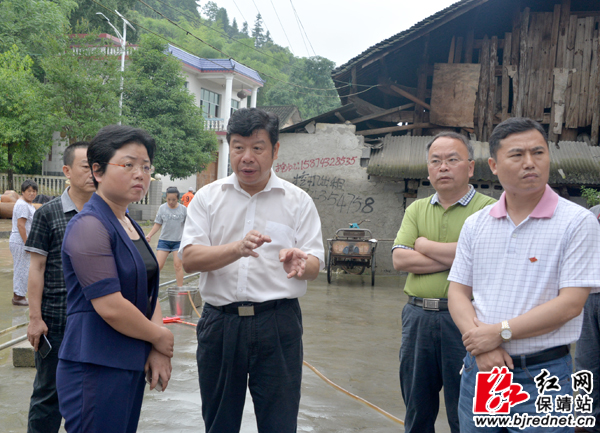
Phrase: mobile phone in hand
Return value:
(44, 346)
(158, 386)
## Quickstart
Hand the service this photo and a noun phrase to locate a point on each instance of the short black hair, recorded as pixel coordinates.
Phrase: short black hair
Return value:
(513, 125)
(110, 139)
(29, 183)
(456, 136)
(173, 190)
(247, 120)
(69, 153)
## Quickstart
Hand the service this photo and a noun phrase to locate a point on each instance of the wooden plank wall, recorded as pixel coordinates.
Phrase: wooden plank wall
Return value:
(524, 66)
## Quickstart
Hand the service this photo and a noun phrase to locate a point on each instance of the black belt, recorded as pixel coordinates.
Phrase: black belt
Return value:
(248, 308)
(543, 356)
(429, 304)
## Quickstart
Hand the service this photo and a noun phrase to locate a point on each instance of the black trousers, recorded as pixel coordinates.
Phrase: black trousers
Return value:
(44, 414)
(262, 353)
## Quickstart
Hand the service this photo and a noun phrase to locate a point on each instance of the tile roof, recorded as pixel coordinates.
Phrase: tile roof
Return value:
(458, 7)
(214, 65)
(283, 112)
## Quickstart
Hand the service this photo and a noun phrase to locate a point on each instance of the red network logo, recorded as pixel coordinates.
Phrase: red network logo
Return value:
(495, 393)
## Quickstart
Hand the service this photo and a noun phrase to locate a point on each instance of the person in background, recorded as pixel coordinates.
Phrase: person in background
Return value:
(431, 352)
(47, 291)
(171, 218)
(21, 225)
(256, 239)
(114, 332)
(187, 197)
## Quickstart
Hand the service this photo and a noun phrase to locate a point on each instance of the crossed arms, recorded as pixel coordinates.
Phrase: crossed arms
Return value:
(427, 257)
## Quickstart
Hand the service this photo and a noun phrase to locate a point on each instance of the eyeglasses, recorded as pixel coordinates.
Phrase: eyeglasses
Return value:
(130, 168)
(450, 162)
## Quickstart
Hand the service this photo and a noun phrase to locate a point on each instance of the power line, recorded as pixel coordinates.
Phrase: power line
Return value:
(240, 11)
(300, 21)
(252, 47)
(301, 35)
(286, 36)
(222, 52)
(261, 16)
(225, 54)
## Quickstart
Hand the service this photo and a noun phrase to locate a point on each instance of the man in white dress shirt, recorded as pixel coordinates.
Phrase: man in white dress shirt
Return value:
(522, 273)
(257, 240)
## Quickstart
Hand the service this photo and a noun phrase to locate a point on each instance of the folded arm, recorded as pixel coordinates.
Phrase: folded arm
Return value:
(125, 318)
(416, 262)
(441, 252)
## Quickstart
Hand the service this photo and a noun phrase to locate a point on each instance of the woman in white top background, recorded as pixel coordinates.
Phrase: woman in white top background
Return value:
(21, 225)
(170, 219)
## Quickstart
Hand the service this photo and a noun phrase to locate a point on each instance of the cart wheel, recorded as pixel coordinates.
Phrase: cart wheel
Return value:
(329, 268)
(373, 270)
(354, 270)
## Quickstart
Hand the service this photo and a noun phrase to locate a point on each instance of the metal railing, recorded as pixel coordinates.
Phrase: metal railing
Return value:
(48, 185)
(214, 124)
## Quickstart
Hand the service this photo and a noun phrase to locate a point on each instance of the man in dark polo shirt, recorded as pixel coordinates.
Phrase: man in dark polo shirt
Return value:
(46, 284)
(432, 351)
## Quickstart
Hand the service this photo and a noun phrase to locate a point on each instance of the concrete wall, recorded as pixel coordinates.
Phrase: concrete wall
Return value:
(147, 211)
(181, 184)
(327, 165)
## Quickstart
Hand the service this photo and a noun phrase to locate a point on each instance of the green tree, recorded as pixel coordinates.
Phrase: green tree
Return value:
(591, 195)
(211, 10)
(306, 74)
(83, 86)
(245, 29)
(234, 30)
(87, 9)
(25, 119)
(257, 32)
(158, 101)
(30, 24)
(223, 18)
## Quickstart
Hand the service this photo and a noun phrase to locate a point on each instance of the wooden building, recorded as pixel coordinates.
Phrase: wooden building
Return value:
(476, 63)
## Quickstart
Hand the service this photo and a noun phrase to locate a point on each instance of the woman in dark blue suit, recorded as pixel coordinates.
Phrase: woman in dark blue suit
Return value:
(114, 331)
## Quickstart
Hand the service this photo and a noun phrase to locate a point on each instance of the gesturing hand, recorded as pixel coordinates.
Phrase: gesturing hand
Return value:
(252, 241)
(294, 261)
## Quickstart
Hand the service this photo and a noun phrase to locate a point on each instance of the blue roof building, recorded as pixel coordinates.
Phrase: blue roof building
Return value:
(220, 87)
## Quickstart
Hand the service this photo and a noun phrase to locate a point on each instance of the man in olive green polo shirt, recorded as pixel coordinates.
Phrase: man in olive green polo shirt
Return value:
(432, 350)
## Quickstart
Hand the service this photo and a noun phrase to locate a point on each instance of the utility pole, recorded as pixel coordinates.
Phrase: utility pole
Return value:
(123, 39)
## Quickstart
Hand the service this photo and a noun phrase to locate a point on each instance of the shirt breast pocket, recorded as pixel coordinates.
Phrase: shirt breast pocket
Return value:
(282, 236)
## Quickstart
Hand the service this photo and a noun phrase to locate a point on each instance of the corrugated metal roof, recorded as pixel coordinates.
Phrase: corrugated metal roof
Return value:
(214, 65)
(465, 5)
(404, 157)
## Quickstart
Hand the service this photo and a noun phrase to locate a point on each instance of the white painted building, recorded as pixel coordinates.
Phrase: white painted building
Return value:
(220, 86)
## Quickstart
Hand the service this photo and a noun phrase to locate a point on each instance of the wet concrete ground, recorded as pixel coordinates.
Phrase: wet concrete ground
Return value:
(351, 334)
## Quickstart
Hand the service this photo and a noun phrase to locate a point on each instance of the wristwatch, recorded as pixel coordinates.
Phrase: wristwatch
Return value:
(505, 332)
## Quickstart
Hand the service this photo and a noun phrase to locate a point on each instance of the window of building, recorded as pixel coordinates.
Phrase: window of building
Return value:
(210, 102)
(235, 105)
